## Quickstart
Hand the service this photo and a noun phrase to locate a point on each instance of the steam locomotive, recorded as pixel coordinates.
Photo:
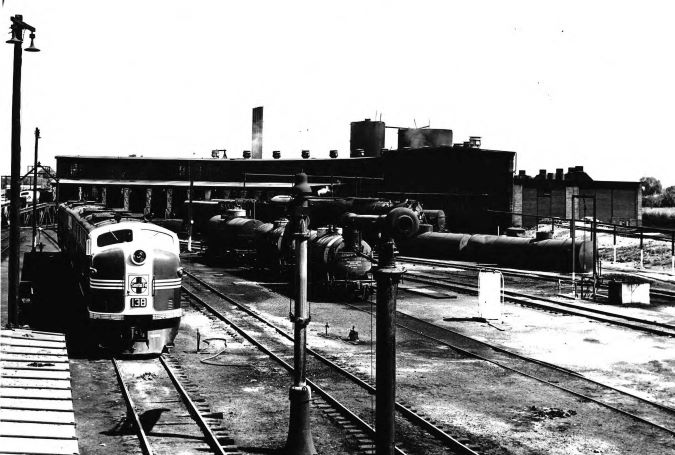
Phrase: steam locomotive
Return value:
(129, 274)
(340, 262)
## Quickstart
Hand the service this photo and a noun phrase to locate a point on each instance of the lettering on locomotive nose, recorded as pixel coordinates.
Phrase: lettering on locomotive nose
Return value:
(138, 284)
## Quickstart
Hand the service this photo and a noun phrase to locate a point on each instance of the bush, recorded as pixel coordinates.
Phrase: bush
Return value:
(663, 217)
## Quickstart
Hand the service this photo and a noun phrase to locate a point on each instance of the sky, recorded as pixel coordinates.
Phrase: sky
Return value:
(560, 83)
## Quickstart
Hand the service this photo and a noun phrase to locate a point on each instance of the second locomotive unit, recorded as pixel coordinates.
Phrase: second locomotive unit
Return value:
(129, 273)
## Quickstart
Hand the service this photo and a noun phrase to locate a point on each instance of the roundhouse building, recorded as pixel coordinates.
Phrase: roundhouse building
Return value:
(473, 185)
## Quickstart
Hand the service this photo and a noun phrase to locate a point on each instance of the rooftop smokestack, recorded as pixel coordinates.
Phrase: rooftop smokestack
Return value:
(257, 133)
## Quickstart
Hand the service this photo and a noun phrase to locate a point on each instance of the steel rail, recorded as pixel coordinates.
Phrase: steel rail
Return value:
(211, 438)
(405, 411)
(288, 367)
(552, 276)
(653, 327)
(131, 410)
(515, 370)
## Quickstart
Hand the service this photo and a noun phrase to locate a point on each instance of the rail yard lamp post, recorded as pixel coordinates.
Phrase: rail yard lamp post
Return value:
(299, 441)
(35, 166)
(18, 28)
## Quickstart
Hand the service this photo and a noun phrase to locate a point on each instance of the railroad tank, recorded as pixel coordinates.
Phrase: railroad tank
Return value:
(230, 232)
(547, 254)
(269, 245)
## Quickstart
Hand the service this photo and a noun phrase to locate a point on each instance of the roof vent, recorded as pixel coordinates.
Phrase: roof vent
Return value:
(475, 141)
(247, 154)
(305, 154)
(276, 154)
(333, 153)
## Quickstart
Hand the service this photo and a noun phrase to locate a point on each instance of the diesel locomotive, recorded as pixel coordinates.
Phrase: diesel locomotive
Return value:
(129, 274)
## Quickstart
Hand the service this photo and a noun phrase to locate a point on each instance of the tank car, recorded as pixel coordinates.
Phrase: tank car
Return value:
(230, 233)
(545, 254)
(129, 273)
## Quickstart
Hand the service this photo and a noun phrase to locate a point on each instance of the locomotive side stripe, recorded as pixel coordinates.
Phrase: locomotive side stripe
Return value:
(169, 281)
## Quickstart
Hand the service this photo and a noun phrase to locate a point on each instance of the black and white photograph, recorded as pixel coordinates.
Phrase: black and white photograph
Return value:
(349, 228)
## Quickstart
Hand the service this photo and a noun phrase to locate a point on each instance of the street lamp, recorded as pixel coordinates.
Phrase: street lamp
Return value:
(18, 28)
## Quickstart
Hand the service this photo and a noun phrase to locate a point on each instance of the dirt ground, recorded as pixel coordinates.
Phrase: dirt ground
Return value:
(509, 413)
(513, 414)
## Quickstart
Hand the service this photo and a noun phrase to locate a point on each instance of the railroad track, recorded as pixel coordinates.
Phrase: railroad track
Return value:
(159, 396)
(540, 276)
(632, 406)
(5, 241)
(653, 327)
(636, 408)
(365, 433)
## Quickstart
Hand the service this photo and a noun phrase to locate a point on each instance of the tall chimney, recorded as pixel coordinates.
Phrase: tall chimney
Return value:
(257, 133)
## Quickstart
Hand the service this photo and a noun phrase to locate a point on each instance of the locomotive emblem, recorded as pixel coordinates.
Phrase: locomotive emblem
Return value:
(138, 284)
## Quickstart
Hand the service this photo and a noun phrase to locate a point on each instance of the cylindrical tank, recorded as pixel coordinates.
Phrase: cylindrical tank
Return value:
(552, 255)
(330, 253)
(509, 251)
(268, 244)
(232, 233)
(435, 245)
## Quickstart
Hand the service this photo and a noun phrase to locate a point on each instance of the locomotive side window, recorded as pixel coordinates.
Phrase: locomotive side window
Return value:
(112, 237)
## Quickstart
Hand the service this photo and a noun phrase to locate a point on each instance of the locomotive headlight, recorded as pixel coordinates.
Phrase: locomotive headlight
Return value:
(138, 257)
(180, 272)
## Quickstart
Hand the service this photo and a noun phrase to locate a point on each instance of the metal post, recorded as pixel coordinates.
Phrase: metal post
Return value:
(574, 246)
(35, 166)
(642, 253)
(15, 188)
(299, 441)
(594, 234)
(387, 277)
(190, 190)
(614, 246)
(672, 252)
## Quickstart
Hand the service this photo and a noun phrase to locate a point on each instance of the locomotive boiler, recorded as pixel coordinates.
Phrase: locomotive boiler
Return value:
(129, 274)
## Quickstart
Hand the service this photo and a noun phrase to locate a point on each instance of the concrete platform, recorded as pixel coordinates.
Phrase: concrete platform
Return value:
(36, 406)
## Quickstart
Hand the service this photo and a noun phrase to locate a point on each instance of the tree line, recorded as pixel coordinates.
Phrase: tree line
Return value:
(653, 194)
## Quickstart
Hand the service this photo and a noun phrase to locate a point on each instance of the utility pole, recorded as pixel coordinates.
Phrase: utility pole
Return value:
(18, 26)
(299, 441)
(35, 166)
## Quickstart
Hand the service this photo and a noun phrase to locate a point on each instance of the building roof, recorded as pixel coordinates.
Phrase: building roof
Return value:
(184, 183)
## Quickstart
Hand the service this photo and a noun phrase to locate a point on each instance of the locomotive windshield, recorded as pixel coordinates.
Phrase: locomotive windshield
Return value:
(157, 238)
(112, 237)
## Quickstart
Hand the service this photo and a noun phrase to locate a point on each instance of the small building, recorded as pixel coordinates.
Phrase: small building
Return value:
(550, 195)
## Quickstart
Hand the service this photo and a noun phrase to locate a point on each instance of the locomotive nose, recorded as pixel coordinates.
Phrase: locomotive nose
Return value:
(138, 257)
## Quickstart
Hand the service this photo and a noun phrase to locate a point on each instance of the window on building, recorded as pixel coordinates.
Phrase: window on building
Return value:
(75, 169)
